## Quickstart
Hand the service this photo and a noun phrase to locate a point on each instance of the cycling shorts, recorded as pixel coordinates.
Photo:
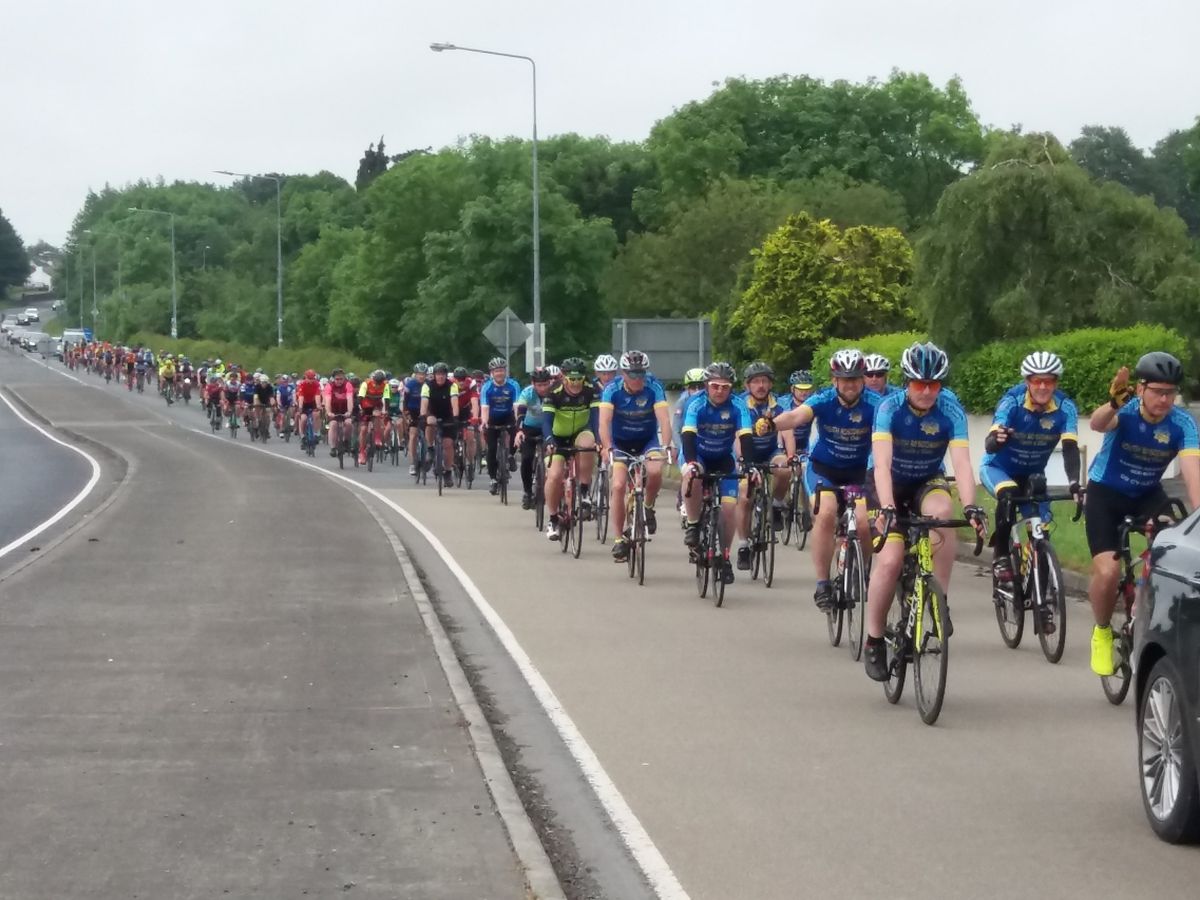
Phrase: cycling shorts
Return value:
(565, 443)
(308, 408)
(651, 448)
(909, 498)
(1105, 508)
(994, 479)
(820, 477)
(727, 487)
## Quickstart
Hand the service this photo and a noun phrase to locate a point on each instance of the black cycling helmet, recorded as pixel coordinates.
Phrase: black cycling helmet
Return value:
(440, 367)
(336, 372)
(460, 373)
(756, 368)
(1160, 367)
(379, 376)
(575, 367)
(720, 371)
(540, 375)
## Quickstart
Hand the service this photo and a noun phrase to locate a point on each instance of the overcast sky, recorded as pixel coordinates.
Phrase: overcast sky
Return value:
(112, 92)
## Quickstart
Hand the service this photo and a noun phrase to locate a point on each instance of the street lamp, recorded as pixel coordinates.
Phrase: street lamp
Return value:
(539, 351)
(174, 294)
(278, 242)
(204, 258)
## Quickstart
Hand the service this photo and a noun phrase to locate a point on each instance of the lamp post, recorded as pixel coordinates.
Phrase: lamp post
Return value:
(174, 294)
(539, 351)
(204, 258)
(278, 242)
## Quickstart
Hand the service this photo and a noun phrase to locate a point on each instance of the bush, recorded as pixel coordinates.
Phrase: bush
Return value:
(1090, 358)
(273, 360)
(889, 345)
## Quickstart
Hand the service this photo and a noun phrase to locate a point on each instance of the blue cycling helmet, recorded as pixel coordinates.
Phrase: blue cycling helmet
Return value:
(801, 378)
(925, 362)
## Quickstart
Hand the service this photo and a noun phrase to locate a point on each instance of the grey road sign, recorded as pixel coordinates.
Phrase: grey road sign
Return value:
(674, 345)
(507, 332)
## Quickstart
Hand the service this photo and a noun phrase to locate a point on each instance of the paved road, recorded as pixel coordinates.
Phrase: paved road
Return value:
(219, 685)
(764, 764)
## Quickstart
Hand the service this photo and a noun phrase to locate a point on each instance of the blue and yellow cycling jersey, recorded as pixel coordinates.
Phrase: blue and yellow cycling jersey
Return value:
(285, 394)
(412, 394)
(532, 401)
(1137, 452)
(802, 433)
(247, 390)
(499, 399)
(717, 428)
(844, 435)
(766, 445)
(1035, 432)
(919, 440)
(634, 416)
(888, 390)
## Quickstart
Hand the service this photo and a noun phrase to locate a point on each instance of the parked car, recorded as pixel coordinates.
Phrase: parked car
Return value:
(1166, 662)
(33, 314)
(22, 319)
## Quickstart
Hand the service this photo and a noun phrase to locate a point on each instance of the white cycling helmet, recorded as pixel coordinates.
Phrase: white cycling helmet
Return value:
(847, 364)
(555, 371)
(1041, 362)
(394, 384)
(877, 362)
(605, 363)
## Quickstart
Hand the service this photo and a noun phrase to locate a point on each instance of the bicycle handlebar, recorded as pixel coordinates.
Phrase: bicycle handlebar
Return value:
(1053, 497)
(924, 523)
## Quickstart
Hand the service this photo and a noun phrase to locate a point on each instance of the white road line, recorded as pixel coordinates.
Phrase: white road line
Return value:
(46, 365)
(647, 855)
(79, 498)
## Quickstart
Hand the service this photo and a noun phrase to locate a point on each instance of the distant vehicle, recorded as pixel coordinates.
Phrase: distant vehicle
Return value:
(33, 314)
(57, 305)
(73, 336)
(22, 319)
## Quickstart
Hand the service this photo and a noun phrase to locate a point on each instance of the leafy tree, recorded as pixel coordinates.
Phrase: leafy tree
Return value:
(1176, 163)
(310, 282)
(1109, 155)
(373, 164)
(14, 261)
(1031, 245)
(811, 280)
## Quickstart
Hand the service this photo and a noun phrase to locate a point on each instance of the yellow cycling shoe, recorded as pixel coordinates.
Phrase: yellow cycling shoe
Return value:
(1102, 650)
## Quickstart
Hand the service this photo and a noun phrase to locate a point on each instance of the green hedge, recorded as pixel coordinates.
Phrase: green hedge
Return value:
(273, 360)
(889, 345)
(1090, 357)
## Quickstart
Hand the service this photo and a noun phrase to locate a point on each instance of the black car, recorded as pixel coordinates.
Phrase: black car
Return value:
(1166, 660)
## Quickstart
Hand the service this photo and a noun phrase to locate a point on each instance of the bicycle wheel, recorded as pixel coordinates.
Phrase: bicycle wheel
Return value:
(370, 454)
(1010, 605)
(769, 552)
(438, 463)
(717, 558)
(897, 646)
(836, 614)
(804, 518)
(700, 552)
(564, 524)
(579, 524)
(854, 590)
(539, 493)
(1116, 685)
(637, 546)
(1052, 608)
(756, 523)
(601, 506)
(931, 656)
(791, 510)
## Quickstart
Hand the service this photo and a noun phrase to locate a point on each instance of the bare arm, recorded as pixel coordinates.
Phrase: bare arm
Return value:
(1189, 468)
(882, 451)
(1104, 418)
(964, 474)
(794, 418)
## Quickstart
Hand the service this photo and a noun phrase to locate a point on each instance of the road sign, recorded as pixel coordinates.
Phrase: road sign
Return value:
(506, 332)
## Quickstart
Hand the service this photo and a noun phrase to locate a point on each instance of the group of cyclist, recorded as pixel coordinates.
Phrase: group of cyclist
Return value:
(888, 440)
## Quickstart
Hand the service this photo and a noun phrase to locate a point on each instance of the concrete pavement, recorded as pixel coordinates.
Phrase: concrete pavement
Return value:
(221, 686)
(763, 763)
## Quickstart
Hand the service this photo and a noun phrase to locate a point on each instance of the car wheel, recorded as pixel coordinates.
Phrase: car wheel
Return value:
(1166, 758)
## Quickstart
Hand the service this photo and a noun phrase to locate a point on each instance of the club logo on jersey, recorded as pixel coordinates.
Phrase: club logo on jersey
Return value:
(930, 428)
(1162, 436)
(856, 417)
(640, 401)
(724, 414)
(1047, 423)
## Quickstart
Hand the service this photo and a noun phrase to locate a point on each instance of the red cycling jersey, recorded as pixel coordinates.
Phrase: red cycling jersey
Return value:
(468, 390)
(339, 400)
(308, 391)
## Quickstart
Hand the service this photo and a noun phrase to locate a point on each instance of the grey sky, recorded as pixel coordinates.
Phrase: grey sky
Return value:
(94, 93)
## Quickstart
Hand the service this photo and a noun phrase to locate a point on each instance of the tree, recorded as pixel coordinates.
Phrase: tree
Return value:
(14, 261)
(905, 134)
(374, 163)
(1031, 245)
(1108, 154)
(1176, 163)
(811, 280)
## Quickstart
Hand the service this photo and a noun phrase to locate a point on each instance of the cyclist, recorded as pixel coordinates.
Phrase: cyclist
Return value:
(715, 426)
(763, 405)
(285, 398)
(339, 396)
(633, 414)
(439, 403)
(1143, 431)
(232, 391)
(693, 384)
(395, 409)
(605, 369)
(246, 396)
(468, 413)
(373, 396)
(800, 388)
(412, 410)
(166, 378)
(845, 413)
(212, 393)
(1030, 420)
(569, 420)
(264, 403)
(308, 403)
(529, 412)
(497, 402)
(878, 367)
(913, 430)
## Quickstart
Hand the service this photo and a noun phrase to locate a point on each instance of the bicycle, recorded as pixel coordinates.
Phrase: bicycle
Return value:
(600, 501)
(849, 584)
(308, 442)
(635, 514)
(918, 626)
(797, 517)
(1037, 575)
(570, 518)
(710, 555)
(214, 417)
(539, 486)
(502, 453)
(1116, 685)
(460, 458)
(233, 421)
(420, 466)
(762, 533)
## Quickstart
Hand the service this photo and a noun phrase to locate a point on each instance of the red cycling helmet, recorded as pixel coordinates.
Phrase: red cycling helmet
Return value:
(310, 374)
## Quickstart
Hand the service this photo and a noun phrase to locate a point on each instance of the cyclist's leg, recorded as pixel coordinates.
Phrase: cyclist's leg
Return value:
(1000, 485)
(935, 502)
(529, 448)
(585, 463)
(730, 488)
(448, 435)
(492, 435)
(618, 482)
(824, 523)
(555, 472)
(692, 501)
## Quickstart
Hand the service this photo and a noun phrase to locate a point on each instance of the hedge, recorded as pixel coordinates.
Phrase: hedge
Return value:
(273, 360)
(1090, 357)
